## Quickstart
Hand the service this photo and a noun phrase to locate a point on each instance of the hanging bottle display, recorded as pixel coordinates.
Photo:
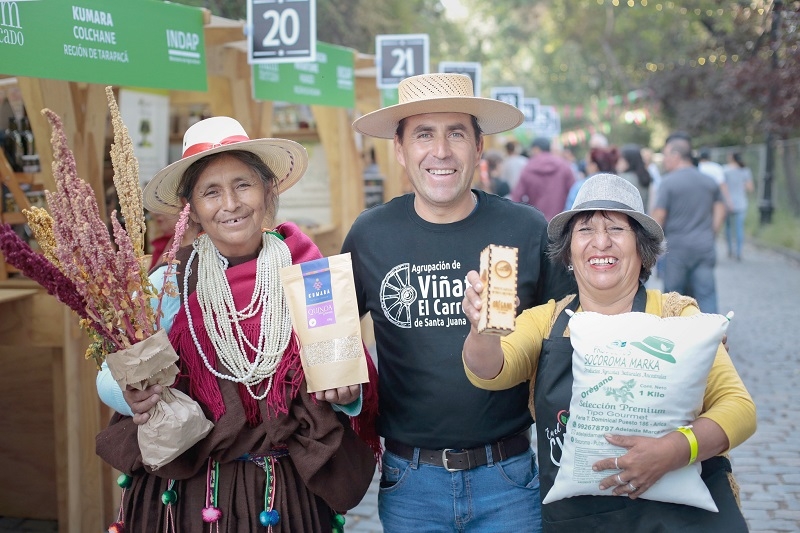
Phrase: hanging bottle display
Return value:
(30, 158)
(13, 145)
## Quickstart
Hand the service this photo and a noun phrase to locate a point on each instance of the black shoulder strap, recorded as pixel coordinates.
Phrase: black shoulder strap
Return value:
(563, 318)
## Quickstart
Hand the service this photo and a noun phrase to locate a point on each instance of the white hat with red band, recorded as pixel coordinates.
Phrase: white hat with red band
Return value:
(287, 159)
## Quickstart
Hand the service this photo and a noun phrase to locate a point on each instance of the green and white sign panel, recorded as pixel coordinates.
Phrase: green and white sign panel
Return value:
(389, 97)
(329, 81)
(143, 43)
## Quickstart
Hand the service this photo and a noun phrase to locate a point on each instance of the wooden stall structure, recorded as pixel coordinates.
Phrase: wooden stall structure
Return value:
(53, 413)
(52, 410)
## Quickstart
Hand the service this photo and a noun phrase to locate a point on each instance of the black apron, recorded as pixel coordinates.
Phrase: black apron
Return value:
(552, 394)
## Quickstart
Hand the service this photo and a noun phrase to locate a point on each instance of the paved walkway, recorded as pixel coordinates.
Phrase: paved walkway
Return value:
(764, 340)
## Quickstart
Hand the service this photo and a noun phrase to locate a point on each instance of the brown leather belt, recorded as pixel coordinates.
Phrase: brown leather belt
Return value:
(454, 460)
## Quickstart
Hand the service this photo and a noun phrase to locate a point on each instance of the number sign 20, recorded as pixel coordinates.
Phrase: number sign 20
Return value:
(284, 24)
(401, 56)
(282, 32)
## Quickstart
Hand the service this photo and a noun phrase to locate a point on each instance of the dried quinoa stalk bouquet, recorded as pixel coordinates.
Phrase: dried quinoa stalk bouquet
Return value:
(103, 280)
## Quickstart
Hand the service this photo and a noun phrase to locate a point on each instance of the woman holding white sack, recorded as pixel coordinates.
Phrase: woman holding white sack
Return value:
(611, 246)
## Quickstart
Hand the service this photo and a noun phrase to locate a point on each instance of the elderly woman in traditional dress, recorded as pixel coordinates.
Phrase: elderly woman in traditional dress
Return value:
(611, 246)
(276, 457)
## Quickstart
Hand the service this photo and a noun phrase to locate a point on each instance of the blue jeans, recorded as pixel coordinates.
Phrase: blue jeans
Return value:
(418, 497)
(692, 275)
(734, 229)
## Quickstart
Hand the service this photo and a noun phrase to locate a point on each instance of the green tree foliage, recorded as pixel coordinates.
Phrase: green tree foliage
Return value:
(739, 93)
(355, 23)
(706, 63)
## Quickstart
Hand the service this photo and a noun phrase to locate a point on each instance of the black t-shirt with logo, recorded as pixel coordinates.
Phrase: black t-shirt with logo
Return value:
(410, 276)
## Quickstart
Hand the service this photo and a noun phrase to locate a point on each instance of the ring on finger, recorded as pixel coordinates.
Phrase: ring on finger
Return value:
(630, 486)
(616, 466)
(619, 480)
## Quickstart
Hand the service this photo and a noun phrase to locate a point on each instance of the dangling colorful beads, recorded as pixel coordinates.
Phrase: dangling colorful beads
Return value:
(124, 481)
(269, 518)
(169, 496)
(337, 523)
(212, 513)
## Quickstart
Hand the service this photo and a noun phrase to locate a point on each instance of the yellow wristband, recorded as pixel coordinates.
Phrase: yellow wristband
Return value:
(687, 431)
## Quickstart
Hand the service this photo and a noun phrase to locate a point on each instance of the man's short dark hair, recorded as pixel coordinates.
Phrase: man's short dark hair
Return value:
(542, 143)
(682, 147)
(679, 135)
(704, 154)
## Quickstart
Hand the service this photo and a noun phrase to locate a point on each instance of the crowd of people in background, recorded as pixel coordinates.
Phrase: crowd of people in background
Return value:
(548, 176)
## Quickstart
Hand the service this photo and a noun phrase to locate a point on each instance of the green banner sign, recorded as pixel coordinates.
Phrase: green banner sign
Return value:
(143, 43)
(389, 97)
(330, 80)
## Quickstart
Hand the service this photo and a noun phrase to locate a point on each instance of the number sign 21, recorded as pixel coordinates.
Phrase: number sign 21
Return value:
(401, 56)
(281, 32)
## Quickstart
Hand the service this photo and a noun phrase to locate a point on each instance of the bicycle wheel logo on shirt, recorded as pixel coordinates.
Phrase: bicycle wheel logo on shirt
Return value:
(397, 296)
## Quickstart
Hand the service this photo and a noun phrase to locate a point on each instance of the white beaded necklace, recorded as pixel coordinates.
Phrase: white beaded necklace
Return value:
(221, 318)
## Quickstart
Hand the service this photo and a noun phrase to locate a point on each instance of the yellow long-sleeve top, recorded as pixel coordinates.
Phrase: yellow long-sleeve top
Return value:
(726, 400)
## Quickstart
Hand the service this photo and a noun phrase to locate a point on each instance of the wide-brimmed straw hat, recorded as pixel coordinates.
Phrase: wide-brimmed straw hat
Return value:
(439, 93)
(287, 159)
(607, 192)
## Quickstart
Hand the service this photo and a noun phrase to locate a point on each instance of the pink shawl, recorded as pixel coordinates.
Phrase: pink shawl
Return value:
(289, 375)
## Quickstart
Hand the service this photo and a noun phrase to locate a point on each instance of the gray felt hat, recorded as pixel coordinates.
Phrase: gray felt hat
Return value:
(607, 192)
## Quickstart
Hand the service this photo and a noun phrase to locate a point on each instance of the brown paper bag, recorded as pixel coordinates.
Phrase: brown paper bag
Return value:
(321, 296)
(176, 422)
